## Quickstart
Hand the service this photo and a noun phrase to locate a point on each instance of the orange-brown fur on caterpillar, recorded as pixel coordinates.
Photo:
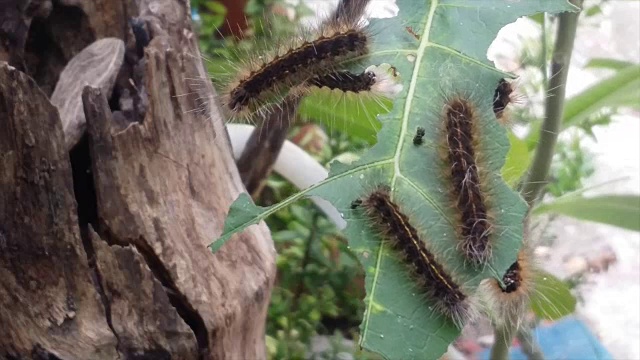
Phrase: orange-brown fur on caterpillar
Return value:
(266, 82)
(437, 284)
(509, 304)
(461, 134)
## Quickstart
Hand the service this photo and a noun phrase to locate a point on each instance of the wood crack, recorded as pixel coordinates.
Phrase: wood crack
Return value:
(96, 276)
(177, 299)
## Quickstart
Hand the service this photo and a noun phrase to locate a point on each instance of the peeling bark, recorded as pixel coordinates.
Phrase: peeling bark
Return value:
(48, 302)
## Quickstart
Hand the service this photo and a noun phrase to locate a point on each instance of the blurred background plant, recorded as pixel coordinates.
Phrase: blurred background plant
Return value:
(319, 288)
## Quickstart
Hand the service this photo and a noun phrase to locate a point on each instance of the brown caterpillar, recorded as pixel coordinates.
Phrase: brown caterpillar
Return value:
(504, 95)
(475, 230)
(375, 80)
(438, 285)
(345, 81)
(264, 81)
(509, 303)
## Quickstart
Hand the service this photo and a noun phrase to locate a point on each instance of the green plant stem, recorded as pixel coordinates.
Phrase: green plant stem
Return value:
(503, 335)
(528, 344)
(543, 67)
(554, 105)
(539, 170)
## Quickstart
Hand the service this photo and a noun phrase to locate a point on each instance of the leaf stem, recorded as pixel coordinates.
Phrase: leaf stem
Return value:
(554, 105)
(503, 334)
(529, 345)
(503, 337)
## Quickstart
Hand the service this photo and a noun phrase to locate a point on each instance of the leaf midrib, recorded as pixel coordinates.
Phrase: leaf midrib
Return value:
(424, 43)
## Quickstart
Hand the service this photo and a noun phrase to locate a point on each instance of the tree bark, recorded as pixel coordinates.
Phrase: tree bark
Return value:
(103, 250)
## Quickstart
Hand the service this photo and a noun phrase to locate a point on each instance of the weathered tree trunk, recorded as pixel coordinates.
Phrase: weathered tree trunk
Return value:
(103, 250)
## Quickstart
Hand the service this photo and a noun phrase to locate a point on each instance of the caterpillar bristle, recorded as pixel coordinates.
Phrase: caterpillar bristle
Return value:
(386, 83)
(345, 81)
(505, 95)
(438, 285)
(350, 11)
(378, 81)
(509, 303)
(502, 97)
(475, 230)
(264, 83)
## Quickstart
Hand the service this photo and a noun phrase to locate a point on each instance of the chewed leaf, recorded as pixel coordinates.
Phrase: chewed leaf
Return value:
(439, 49)
(456, 20)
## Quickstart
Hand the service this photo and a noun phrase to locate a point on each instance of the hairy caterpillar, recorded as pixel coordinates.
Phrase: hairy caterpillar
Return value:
(504, 95)
(461, 121)
(501, 97)
(264, 82)
(509, 303)
(345, 81)
(438, 285)
(375, 80)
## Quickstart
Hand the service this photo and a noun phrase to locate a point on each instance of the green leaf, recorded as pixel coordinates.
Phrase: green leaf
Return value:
(354, 114)
(348, 112)
(622, 89)
(593, 10)
(606, 63)
(341, 113)
(216, 7)
(518, 159)
(552, 298)
(538, 18)
(617, 210)
(447, 58)
(585, 110)
(245, 213)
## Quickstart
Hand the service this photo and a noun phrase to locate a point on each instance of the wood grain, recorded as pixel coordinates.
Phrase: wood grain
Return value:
(163, 188)
(48, 302)
(127, 273)
(97, 66)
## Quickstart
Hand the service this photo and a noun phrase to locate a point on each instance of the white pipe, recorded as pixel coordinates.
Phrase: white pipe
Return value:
(294, 164)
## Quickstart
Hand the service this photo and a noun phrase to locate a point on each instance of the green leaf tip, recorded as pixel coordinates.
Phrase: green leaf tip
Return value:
(617, 210)
(243, 213)
(620, 90)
